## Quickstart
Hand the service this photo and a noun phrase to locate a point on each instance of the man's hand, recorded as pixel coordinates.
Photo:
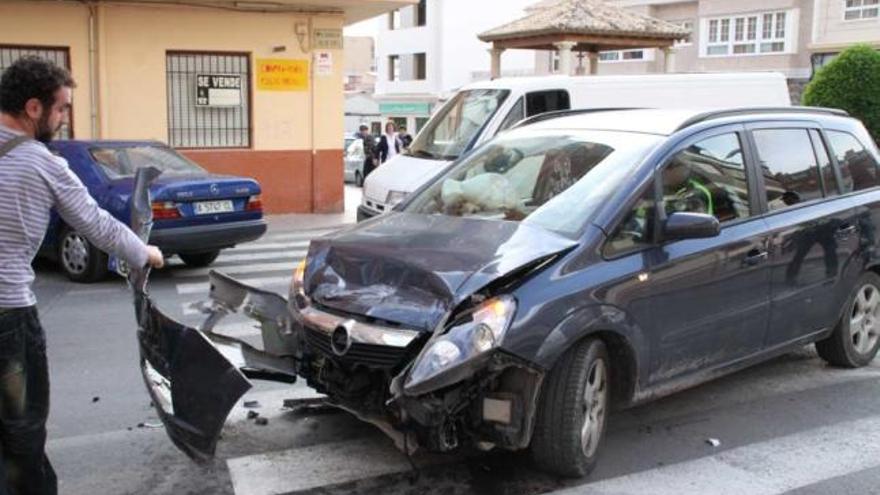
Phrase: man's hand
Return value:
(155, 257)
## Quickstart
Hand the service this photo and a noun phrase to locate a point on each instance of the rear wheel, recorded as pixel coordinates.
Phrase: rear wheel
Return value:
(572, 410)
(358, 179)
(199, 259)
(80, 260)
(856, 338)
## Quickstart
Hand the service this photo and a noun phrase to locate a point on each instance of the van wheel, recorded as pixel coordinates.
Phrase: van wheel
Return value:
(572, 411)
(79, 259)
(856, 337)
(198, 260)
(358, 179)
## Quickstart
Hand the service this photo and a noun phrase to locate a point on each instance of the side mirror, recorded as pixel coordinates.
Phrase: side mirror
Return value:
(682, 225)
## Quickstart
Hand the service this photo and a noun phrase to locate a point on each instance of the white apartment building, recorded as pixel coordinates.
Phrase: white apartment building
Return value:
(425, 52)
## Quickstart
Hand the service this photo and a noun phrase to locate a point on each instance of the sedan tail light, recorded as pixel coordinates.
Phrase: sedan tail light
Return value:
(254, 204)
(165, 210)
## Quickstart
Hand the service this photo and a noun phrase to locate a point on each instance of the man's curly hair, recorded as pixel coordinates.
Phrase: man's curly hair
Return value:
(31, 77)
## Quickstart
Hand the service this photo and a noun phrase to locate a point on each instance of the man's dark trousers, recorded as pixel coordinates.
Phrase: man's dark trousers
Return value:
(24, 405)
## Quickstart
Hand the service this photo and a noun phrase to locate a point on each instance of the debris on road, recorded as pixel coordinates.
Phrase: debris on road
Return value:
(261, 421)
(149, 425)
(251, 404)
(95, 399)
(713, 442)
(252, 414)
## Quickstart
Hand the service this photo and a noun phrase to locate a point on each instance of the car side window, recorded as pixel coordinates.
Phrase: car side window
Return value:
(546, 101)
(858, 169)
(636, 230)
(829, 180)
(791, 175)
(516, 114)
(708, 177)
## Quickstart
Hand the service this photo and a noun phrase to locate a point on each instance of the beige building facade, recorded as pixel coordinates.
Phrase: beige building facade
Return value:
(787, 36)
(245, 90)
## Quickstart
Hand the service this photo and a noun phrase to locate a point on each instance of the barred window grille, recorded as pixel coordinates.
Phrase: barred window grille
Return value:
(200, 126)
(59, 56)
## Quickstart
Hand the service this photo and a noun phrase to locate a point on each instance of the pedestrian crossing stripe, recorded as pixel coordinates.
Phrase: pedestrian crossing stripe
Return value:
(203, 287)
(224, 259)
(238, 269)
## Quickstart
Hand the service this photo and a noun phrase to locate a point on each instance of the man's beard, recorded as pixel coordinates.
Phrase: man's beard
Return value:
(44, 132)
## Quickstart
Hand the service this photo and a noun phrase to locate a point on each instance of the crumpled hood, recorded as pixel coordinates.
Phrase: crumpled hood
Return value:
(411, 269)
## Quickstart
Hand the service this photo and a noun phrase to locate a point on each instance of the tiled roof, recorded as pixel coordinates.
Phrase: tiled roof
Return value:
(585, 17)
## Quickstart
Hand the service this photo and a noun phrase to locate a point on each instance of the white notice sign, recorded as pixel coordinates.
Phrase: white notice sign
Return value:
(323, 63)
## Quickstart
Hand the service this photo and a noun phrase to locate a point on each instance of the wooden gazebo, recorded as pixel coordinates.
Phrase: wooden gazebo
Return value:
(588, 26)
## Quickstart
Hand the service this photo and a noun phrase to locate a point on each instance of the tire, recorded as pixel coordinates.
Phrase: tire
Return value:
(80, 260)
(358, 179)
(572, 410)
(198, 260)
(856, 338)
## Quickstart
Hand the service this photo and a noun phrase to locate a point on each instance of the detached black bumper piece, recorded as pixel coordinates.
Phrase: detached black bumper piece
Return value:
(207, 237)
(192, 396)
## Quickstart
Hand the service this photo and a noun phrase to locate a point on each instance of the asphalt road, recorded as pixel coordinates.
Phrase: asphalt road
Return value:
(792, 425)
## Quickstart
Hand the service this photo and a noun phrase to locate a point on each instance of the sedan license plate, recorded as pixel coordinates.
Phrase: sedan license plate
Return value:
(209, 207)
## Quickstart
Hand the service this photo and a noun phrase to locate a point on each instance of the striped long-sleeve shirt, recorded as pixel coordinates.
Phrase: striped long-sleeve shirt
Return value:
(32, 182)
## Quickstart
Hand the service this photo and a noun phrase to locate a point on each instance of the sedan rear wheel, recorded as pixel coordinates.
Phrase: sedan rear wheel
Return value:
(572, 411)
(199, 259)
(79, 259)
(856, 339)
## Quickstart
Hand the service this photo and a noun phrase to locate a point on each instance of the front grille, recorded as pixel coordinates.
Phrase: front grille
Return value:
(376, 356)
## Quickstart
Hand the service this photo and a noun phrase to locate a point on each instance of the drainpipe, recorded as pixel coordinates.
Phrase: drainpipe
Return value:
(311, 55)
(93, 68)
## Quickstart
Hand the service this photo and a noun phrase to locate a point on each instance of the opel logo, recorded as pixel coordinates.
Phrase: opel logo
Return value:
(215, 189)
(340, 339)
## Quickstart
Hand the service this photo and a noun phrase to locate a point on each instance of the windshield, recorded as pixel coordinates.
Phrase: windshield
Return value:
(452, 129)
(124, 161)
(552, 179)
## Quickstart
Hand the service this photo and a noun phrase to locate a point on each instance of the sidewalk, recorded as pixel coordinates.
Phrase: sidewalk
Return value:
(293, 222)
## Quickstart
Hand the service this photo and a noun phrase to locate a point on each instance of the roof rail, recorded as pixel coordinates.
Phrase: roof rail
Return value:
(565, 113)
(732, 112)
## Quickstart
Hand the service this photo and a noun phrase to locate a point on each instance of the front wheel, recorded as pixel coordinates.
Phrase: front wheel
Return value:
(572, 411)
(80, 260)
(199, 260)
(856, 338)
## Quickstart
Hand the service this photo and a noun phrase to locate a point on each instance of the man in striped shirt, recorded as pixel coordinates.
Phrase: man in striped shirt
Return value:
(34, 102)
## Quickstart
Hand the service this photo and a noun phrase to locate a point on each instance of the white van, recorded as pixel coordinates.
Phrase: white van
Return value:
(479, 111)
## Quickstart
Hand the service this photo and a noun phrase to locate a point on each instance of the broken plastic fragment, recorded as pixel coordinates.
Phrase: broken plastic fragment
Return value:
(713, 442)
(252, 414)
(251, 404)
(261, 421)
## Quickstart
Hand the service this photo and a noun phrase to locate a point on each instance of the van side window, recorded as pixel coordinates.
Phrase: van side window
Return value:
(708, 177)
(791, 175)
(636, 230)
(829, 180)
(546, 101)
(516, 114)
(858, 169)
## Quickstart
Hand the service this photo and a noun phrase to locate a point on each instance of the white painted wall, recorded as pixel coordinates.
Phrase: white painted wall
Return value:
(450, 41)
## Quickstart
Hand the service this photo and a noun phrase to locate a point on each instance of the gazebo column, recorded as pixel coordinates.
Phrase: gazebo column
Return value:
(669, 59)
(594, 63)
(564, 49)
(495, 68)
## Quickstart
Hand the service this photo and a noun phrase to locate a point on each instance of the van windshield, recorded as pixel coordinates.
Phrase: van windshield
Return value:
(451, 130)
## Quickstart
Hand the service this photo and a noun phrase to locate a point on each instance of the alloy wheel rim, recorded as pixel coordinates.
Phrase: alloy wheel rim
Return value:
(74, 253)
(864, 323)
(594, 407)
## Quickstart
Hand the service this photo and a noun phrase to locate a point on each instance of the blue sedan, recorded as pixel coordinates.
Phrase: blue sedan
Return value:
(196, 213)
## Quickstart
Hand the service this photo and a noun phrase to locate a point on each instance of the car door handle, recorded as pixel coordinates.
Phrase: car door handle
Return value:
(845, 231)
(755, 256)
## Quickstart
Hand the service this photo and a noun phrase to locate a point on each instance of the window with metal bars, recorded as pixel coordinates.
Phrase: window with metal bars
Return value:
(209, 99)
(58, 56)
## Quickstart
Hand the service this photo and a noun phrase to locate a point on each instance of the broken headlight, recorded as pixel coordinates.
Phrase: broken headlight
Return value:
(297, 285)
(469, 338)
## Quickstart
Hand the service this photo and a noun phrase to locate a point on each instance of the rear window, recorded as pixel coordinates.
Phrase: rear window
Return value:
(791, 175)
(121, 162)
(858, 168)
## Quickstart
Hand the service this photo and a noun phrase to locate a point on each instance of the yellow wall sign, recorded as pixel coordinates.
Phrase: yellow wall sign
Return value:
(278, 74)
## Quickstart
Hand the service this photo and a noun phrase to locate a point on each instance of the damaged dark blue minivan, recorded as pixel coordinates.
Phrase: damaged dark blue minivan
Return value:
(578, 263)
